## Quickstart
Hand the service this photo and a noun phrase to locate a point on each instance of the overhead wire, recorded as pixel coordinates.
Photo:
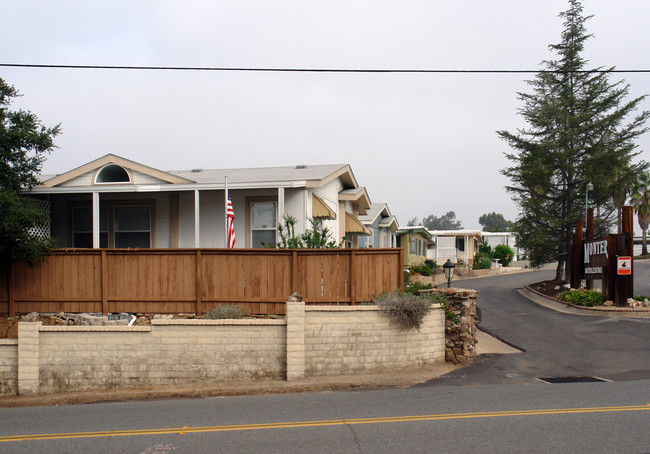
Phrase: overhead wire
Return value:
(315, 70)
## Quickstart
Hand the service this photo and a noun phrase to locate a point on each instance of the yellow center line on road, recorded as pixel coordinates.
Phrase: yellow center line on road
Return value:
(334, 422)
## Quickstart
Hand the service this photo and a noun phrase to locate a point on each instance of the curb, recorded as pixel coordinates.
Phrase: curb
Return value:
(568, 308)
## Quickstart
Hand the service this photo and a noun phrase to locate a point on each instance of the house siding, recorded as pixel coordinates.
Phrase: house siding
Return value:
(374, 240)
(409, 258)
(186, 219)
(295, 203)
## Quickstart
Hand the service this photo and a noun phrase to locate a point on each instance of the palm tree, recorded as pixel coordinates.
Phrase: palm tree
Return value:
(641, 202)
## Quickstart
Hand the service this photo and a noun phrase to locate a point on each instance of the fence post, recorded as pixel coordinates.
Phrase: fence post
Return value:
(11, 297)
(353, 277)
(198, 282)
(294, 272)
(400, 269)
(104, 283)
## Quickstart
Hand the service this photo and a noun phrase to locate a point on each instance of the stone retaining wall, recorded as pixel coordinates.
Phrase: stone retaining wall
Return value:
(312, 340)
(460, 331)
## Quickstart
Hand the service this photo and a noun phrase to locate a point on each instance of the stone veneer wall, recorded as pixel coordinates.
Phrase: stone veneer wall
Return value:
(460, 340)
(313, 340)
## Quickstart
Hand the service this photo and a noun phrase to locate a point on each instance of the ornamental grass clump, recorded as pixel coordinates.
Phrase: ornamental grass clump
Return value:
(405, 309)
(583, 297)
(226, 311)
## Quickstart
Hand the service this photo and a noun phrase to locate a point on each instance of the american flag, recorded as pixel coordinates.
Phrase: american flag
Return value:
(230, 225)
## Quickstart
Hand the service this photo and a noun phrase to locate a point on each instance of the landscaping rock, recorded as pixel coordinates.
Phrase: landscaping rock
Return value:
(31, 317)
(294, 297)
(460, 338)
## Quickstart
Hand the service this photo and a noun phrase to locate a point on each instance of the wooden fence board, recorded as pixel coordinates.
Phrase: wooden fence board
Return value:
(191, 280)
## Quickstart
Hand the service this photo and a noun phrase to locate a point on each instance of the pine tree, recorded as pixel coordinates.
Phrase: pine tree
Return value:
(579, 130)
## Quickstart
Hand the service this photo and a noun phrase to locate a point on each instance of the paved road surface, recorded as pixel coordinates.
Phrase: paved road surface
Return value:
(587, 417)
(555, 344)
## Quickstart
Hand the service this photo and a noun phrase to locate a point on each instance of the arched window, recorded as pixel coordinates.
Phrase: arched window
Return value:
(112, 173)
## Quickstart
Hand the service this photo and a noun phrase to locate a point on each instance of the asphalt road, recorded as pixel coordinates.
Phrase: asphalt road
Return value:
(555, 344)
(588, 417)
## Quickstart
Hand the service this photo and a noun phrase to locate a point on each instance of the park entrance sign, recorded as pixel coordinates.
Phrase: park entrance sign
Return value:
(596, 258)
(608, 259)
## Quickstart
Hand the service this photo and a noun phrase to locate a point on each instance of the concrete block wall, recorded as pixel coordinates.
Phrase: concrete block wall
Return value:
(166, 353)
(8, 366)
(312, 340)
(357, 339)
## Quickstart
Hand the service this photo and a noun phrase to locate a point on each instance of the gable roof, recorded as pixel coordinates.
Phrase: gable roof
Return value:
(388, 222)
(112, 159)
(359, 195)
(311, 176)
(375, 210)
(414, 229)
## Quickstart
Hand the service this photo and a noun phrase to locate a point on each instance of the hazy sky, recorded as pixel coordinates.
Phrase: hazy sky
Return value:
(423, 143)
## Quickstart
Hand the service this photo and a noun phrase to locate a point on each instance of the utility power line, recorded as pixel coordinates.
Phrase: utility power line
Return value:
(317, 70)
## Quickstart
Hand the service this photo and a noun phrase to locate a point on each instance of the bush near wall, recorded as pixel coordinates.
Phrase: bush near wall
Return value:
(582, 297)
(482, 261)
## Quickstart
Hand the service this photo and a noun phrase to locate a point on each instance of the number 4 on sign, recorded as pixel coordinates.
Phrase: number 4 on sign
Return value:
(624, 265)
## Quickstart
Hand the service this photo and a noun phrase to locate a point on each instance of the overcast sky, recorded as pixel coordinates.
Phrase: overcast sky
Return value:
(423, 143)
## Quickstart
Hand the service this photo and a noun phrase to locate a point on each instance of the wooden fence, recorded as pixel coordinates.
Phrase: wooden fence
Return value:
(195, 280)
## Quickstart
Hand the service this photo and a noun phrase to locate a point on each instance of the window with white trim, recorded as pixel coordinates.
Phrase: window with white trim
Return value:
(112, 174)
(263, 223)
(132, 226)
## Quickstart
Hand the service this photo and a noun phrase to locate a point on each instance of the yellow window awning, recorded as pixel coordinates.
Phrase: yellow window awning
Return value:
(354, 226)
(320, 209)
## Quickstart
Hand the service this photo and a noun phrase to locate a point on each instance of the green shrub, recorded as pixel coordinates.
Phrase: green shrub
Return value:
(504, 254)
(431, 264)
(414, 287)
(445, 302)
(424, 270)
(485, 248)
(406, 309)
(640, 297)
(482, 261)
(225, 311)
(583, 297)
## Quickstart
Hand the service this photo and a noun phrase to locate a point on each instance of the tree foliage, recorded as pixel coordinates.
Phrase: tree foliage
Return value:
(432, 222)
(581, 128)
(494, 222)
(641, 202)
(24, 142)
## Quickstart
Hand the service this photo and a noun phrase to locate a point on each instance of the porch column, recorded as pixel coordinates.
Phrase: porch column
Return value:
(96, 225)
(280, 211)
(466, 250)
(196, 219)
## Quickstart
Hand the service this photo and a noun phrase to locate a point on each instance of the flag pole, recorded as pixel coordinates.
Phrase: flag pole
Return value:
(225, 214)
